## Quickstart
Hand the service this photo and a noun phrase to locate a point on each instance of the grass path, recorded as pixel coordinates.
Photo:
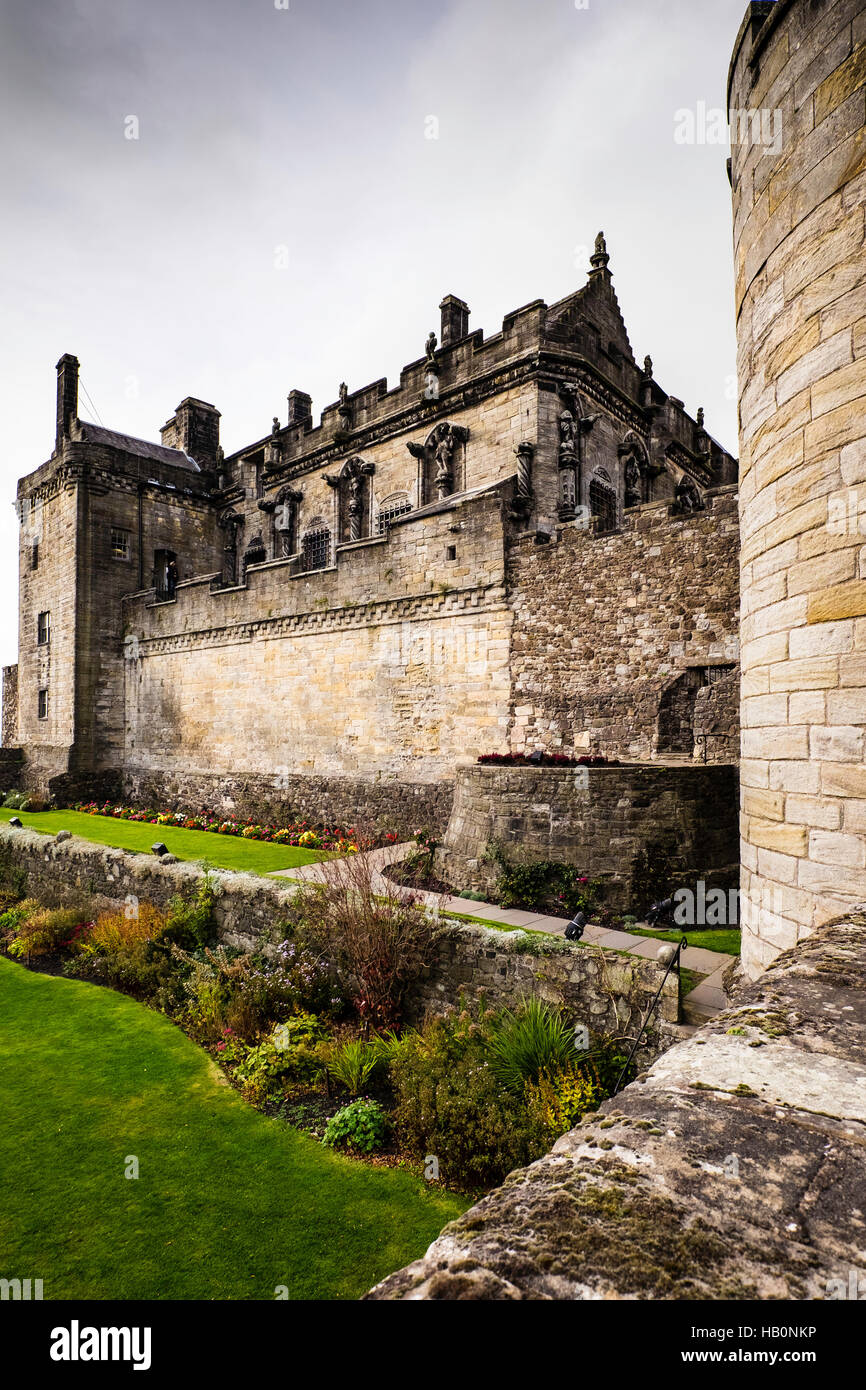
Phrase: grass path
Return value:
(228, 1205)
(220, 851)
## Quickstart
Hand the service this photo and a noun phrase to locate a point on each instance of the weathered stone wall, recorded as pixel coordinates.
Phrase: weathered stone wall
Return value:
(801, 329)
(607, 991)
(603, 625)
(597, 818)
(352, 802)
(733, 1168)
(10, 707)
(386, 668)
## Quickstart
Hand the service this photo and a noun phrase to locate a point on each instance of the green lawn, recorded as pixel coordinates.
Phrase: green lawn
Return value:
(724, 939)
(221, 851)
(228, 1204)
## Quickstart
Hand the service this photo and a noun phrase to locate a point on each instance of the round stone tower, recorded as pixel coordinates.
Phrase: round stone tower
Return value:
(798, 171)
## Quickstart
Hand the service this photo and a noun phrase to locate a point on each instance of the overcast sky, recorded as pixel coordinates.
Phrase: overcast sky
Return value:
(285, 220)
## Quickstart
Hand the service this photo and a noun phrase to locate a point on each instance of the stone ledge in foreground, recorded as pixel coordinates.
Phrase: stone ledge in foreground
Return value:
(735, 1168)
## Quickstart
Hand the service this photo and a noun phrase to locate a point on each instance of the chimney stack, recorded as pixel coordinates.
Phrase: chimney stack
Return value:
(455, 320)
(300, 407)
(194, 428)
(67, 396)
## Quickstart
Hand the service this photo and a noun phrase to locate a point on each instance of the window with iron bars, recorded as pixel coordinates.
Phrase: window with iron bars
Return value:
(317, 549)
(602, 503)
(391, 510)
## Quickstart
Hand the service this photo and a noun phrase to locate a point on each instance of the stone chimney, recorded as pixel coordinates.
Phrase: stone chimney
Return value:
(455, 320)
(67, 396)
(300, 407)
(194, 428)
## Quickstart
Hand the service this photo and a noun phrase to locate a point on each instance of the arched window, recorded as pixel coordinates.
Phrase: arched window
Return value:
(316, 547)
(398, 504)
(603, 501)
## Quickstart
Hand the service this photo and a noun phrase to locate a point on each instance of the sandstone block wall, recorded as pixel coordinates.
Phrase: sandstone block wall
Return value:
(597, 818)
(386, 668)
(801, 331)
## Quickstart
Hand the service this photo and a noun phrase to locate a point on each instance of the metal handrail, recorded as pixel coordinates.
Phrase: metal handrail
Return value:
(674, 960)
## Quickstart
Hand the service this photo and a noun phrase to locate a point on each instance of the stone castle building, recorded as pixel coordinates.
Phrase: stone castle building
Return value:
(525, 544)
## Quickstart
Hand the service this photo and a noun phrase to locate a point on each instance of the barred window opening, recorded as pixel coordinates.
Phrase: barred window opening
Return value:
(390, 509)
(317, 549)
(602, 503)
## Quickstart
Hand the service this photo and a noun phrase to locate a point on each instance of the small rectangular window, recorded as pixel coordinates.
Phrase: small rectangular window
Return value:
(43, 704)
(43, 628)
(119, 544)
(451, 552)
(34, 556)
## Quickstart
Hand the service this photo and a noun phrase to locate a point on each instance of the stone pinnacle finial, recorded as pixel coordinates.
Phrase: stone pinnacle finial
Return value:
(599, 260)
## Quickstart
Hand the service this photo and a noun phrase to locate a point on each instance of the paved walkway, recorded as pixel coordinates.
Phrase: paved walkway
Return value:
(706, 999)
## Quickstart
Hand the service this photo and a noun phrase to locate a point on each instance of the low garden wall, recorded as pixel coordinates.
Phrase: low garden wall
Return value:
(596, 818)
(606, 990)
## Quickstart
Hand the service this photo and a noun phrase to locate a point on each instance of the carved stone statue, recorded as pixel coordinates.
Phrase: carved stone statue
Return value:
(633, 496)
(438, 455)
(430, 351)
(350, 484)
(567, 435)
(568, 465)
(647, 366)
(687, 496)
(231, 523)
(344, 395)
(275, 427)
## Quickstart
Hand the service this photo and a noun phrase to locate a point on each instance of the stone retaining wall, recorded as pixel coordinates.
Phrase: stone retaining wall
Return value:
(604, 989)
(597, 818)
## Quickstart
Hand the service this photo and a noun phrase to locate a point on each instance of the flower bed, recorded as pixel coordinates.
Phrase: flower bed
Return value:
(301, 834)
(547, 760)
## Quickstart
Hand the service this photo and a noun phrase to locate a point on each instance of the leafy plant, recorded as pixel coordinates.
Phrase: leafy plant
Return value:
(361, 1127)
(545, 886)
(40, 931)
(353, 1063)
(450, 1104)
(190, 922)
(124, 930)
(291, 1055)
(528, 1042)
(561, 1095)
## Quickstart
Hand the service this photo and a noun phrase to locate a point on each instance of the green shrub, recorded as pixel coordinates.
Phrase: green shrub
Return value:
(548, 886)
(528, 1041)
(353, 1063)
(40, 931)
(449, 1104)
(361, 1127)
(190, 921)
(290, 1056)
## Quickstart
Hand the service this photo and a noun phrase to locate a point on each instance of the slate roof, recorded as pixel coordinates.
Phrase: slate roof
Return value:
(141, 448)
